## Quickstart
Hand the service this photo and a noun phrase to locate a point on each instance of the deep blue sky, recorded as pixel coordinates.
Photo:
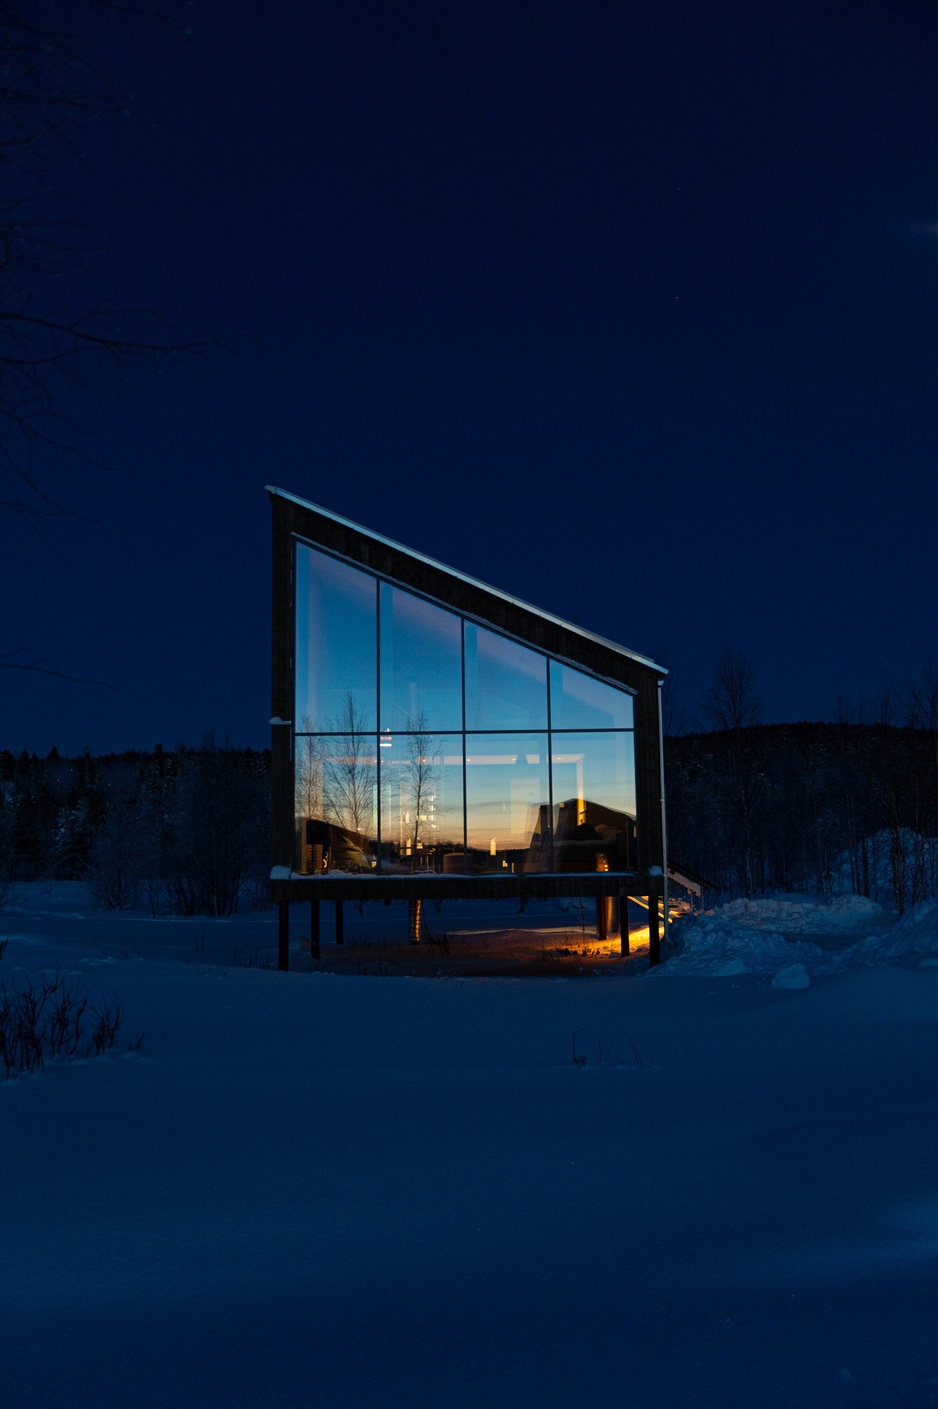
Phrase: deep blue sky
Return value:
(628, 309)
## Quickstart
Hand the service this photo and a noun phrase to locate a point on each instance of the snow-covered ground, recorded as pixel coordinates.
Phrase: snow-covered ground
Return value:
(313, 1190)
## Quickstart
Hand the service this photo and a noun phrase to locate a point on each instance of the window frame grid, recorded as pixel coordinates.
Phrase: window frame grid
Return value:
(464, 618)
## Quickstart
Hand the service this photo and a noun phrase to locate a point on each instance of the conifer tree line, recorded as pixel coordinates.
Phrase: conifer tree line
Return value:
(837, 807)
(182, 831)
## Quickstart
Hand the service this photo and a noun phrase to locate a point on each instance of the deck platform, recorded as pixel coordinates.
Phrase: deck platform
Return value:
(510, 885)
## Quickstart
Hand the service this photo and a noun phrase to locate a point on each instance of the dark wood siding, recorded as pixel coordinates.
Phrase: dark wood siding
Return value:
(281, 692)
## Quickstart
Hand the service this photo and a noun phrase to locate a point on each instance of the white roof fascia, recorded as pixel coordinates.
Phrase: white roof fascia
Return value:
(464, 577)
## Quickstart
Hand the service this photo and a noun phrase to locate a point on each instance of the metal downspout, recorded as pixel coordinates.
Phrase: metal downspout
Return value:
(664, 820)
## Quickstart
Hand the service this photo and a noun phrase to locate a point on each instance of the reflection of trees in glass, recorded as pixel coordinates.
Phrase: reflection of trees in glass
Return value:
(347, 775)
(420, 776)
(309, 774)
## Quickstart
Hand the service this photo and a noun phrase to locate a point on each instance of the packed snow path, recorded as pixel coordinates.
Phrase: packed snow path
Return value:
(311, 1190)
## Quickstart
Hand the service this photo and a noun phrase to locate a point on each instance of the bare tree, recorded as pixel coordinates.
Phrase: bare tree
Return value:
(348, 774)
(309, 794)
(219, 812)
(421, 777)
(309, 779)
(51, 341)
(731, 700)
(53, 345)
(921, 702)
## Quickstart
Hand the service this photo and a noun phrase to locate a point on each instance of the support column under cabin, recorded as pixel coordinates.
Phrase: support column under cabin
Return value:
(283, 935)
(654, 933)
(608, 912)
(314, 929)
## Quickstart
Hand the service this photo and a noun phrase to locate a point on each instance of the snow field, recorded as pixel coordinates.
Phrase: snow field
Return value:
(313, 1190)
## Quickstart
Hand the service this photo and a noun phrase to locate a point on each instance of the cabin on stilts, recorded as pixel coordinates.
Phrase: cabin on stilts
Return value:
(435, 738)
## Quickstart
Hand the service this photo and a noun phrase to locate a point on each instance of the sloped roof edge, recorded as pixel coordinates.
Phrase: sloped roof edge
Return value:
(464, 577)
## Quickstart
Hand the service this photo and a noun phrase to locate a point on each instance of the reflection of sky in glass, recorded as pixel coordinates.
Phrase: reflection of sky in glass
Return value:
(597, 768)
(578, 701)
(429, 767)
(506, 784)
(506, 684)
(415, 777)
(421, 663)
(336, 644)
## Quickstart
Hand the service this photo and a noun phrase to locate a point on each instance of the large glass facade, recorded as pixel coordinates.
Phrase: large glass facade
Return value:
(336, 645)
(336, 796)
(421, 670)
(580, 701)
(425, 742)
(507, 802)
(422, 802)
(506, 683)
(593, 786)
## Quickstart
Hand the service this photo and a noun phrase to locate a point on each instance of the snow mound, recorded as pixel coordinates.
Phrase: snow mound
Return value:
(762, 937)
(911, 941)
(847, 915)
(718, 944)
(792, 976)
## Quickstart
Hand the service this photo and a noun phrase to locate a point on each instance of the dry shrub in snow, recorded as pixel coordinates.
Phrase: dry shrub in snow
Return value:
(53, 1016)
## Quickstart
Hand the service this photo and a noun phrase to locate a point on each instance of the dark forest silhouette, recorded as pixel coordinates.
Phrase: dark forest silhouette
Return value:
(821, 808)
(828, 808)
(183, 831)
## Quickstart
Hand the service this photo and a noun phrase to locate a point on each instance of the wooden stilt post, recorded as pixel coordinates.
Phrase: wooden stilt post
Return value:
(339, 923)
(283, 935)
(654, 934)
(314, 929)
(602, 918)
(624, 925)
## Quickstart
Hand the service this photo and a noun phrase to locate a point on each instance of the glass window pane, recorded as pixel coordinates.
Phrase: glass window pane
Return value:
(336, 796)
(507, 802)
(594, 802)
(421, 802)
(579, 701)
(336, 645)
(421, 663)
(506, 684)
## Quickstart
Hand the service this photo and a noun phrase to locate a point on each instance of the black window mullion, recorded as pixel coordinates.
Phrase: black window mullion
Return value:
(465, 814)
(550, 774)
(378, 769)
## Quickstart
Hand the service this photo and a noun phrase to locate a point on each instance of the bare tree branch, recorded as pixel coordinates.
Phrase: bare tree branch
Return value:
(49, 87)
(38, 667)
(51, 348)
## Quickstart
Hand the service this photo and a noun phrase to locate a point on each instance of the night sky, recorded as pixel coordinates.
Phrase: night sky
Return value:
(625, 308)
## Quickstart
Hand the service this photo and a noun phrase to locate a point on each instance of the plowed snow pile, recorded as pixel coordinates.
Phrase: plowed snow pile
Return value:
(794, 938)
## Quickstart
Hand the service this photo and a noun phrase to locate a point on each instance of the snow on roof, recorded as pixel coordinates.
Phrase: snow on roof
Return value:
(464, 577)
